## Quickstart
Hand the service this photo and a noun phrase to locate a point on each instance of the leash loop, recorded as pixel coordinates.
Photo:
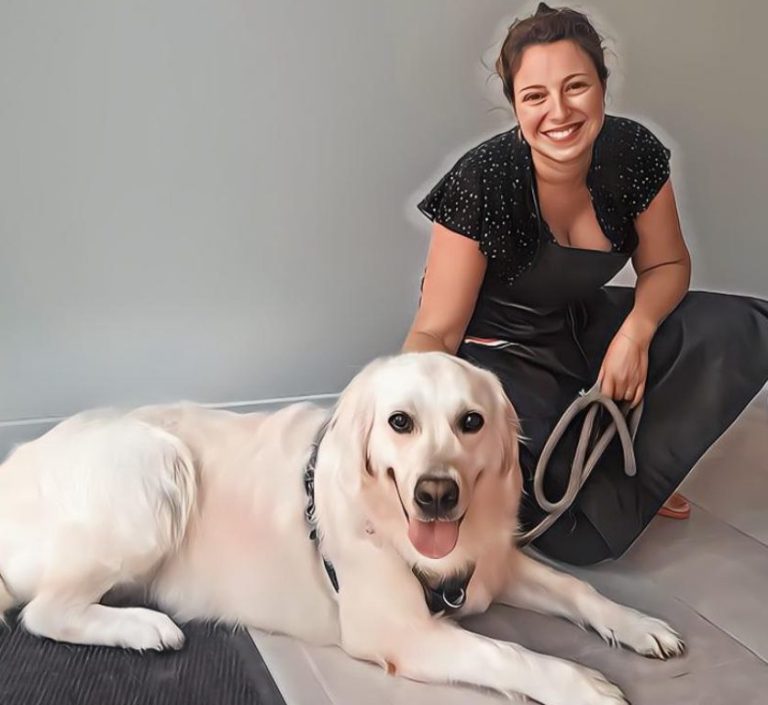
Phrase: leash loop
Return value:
(624, 421)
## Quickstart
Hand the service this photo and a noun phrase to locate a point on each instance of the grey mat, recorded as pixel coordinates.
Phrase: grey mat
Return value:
(216, 667)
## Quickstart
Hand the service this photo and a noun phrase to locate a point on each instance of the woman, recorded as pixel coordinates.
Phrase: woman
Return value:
(528, 228)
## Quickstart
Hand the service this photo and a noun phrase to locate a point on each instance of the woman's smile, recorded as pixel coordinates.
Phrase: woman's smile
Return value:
(565, 134)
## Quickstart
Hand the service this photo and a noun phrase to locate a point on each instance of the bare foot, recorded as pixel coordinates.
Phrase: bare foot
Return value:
(676, 507)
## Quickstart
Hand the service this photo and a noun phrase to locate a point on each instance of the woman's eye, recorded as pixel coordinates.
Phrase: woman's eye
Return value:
(533, 96)
(577, 85)
(401, 422)
(471, 422)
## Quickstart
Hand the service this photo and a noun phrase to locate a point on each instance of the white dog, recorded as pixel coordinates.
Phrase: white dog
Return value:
(413, 507)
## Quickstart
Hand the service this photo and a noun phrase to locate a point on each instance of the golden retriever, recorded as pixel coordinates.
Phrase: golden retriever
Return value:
(409, 487)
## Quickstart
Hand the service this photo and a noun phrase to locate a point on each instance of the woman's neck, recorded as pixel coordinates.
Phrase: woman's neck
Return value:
(554, 174)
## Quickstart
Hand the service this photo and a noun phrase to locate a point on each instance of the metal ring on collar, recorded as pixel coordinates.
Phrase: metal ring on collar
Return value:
(459, 601)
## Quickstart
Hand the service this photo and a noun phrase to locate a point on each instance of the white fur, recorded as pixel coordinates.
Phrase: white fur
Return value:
(203, 510)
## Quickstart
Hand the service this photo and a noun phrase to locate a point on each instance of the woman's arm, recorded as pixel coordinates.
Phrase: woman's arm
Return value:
(454, 272)
(662, 263)
(663, 267)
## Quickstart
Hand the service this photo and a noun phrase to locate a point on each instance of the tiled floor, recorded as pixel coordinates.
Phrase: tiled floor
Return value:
(707, 576)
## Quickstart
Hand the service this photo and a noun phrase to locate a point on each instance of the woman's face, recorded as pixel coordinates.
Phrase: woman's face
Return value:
(559, 100)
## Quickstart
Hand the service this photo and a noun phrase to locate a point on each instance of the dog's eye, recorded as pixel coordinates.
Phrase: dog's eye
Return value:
(400, 422)
(471, 422)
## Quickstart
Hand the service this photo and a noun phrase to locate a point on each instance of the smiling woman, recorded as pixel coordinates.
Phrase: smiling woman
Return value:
(529, 226)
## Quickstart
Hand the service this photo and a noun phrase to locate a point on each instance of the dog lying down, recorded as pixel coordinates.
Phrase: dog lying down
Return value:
(410, 490)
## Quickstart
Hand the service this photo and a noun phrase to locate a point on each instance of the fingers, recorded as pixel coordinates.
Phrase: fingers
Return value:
(607, 386)
(622, 390)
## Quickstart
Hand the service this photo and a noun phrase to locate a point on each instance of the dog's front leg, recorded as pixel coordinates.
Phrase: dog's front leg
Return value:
(535, 586)
(384, 619)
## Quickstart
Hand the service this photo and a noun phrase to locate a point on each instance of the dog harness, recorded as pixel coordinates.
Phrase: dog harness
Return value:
(450, 594)
(309, 510)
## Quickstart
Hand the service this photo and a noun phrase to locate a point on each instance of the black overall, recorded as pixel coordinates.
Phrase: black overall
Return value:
(547, 319)
(708, 359)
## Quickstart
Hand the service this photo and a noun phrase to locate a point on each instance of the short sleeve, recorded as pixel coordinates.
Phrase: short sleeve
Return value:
(649, 168)
(483, 198)
(457, 200)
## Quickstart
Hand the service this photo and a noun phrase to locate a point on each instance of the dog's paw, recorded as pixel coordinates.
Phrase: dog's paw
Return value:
(144, 629)
(590, 687)
(647, 636)
(568, 683)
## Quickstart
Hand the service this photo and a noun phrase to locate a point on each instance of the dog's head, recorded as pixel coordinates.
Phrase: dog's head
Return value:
(429, 455)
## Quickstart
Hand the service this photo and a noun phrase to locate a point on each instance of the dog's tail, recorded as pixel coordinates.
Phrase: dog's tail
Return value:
(6, 600)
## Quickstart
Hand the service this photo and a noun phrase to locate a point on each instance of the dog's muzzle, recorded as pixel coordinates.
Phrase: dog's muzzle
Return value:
(436, 497)
(435, 531)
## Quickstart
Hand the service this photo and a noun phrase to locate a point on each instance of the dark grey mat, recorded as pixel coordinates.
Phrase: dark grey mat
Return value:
(217, 666)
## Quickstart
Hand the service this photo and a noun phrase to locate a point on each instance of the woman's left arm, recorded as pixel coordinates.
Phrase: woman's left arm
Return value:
(662, 263)
(663, 266)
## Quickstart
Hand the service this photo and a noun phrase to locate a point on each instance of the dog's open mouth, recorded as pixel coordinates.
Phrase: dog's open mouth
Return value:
(433, 539)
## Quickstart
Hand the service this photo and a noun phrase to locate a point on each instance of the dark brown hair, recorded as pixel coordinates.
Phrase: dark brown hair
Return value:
(545, 26)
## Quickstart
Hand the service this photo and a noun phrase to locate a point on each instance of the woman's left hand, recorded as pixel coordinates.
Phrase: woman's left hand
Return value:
(625, 368)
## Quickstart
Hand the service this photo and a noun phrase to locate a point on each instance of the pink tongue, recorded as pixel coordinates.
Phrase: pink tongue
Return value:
(433, 539)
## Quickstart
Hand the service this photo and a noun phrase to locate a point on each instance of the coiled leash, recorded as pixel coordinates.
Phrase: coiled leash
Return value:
(623, 420)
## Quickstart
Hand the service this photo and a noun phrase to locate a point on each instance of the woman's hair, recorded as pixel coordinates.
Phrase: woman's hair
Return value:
(545, 26)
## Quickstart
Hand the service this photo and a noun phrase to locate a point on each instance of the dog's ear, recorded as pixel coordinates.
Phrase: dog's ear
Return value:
(507, 426)
(349, 429)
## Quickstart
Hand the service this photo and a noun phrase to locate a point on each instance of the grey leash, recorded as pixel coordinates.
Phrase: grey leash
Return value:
(624, 420)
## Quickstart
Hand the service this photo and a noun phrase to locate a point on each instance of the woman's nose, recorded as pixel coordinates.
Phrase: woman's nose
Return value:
(560, 108)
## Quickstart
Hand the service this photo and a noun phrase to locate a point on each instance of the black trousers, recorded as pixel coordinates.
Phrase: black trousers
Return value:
(707, 361)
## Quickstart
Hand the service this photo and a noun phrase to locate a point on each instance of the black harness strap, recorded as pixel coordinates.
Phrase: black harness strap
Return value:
(450, 594)
(309, 511)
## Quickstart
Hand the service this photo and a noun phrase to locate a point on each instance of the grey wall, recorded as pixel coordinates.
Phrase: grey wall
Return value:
(215, 200)
(695, 69)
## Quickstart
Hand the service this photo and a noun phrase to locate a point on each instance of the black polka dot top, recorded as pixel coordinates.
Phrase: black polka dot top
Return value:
(487, 194)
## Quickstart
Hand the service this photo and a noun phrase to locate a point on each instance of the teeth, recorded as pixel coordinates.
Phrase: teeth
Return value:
(561, 134)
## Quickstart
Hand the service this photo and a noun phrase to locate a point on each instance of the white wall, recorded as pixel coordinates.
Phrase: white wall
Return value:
(216, 200)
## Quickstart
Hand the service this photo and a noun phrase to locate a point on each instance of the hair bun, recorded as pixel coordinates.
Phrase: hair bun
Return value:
(543, 9)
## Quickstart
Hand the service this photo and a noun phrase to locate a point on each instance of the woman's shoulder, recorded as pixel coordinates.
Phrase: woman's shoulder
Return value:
(493, 155)
(630, 139)
(478, 196)
(630, 165)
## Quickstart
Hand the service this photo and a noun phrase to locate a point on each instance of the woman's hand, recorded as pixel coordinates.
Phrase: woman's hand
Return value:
(624, 370)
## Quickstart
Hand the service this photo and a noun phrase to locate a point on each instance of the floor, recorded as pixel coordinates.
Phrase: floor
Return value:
(705, 576)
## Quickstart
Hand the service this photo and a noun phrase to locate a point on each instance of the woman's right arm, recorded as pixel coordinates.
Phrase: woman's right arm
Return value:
(454, 272)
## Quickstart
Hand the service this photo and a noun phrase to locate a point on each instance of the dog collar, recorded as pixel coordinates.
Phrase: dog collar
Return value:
(448, 597)
(450, 594)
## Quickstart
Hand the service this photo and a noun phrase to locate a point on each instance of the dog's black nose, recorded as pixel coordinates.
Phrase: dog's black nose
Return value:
(436, 496)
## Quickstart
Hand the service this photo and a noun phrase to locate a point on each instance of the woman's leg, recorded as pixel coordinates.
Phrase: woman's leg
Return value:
(707, 361)
(573, 539)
